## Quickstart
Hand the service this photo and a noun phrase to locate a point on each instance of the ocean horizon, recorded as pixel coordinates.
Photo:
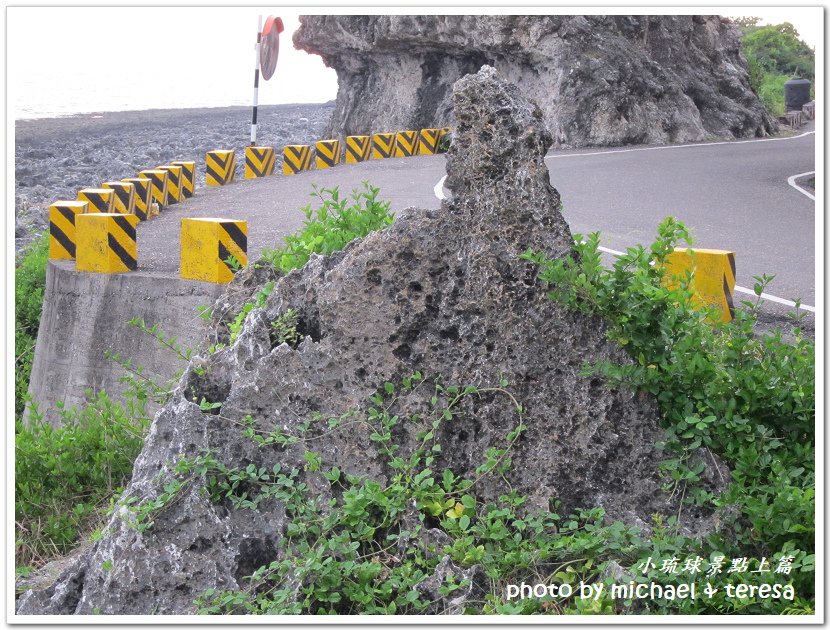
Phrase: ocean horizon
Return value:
(68, 111)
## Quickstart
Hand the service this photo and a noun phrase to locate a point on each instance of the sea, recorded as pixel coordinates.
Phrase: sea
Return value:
(60, 95)
(63, 61)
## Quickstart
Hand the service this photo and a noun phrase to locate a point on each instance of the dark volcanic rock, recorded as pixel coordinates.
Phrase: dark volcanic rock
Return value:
(599, 79)
(443, 292)
(56, 157)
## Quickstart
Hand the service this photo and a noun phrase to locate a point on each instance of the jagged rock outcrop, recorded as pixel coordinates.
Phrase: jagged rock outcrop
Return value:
(599, 79)
(443, 292)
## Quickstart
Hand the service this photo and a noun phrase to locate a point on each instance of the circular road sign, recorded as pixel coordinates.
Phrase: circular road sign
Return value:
(269, 48)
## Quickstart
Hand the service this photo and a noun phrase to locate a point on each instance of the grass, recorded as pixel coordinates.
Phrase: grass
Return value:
(65, 477)
(30, 284)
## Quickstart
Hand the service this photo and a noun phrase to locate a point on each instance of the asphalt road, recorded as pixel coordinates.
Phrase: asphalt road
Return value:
(732, 195)
(272, 205)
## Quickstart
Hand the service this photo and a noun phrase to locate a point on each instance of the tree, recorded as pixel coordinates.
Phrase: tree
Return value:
(778, 50)
(746, 23)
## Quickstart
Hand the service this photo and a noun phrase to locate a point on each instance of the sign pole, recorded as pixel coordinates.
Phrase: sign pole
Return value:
(256, 80)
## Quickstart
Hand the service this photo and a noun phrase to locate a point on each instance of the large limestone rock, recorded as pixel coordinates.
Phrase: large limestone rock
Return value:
(443, 292)
(599, 79)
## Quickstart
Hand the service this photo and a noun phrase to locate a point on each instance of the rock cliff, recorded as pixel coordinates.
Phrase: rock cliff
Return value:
(600, 80)
(443, 292)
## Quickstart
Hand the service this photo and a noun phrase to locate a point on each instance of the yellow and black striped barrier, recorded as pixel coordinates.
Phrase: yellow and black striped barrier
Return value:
(158, 190)
(188, 181)
(406, 143)
(296, 158)
(106, 242)
(143, 196)
(428, 140)
(327, 152)
(174, 182)
(62, 228)
(100, 199)
(383, 145)
(220, 167)
(212, 250)
(713, 277)
(259, 162)
(358, 149)
(124, 200)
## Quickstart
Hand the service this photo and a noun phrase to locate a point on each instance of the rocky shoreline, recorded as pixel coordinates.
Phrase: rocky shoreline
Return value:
(56, 157)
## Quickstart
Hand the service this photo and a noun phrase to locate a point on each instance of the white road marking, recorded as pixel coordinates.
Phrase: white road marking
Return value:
(772, 298)
(609, 251)
(791, 182)
(676, 146)
(439, 189)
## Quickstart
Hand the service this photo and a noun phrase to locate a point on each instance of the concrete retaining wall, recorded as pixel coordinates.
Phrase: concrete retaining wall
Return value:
(86, 314)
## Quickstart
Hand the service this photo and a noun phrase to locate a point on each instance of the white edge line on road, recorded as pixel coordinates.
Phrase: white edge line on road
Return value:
(439, 189)
(791, 182)
(609, 251)
(764, 296)
(677, 146)
(772, 298)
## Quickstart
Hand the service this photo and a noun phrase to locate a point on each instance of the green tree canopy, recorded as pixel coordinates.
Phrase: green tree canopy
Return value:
(777, 49)
(746, 23)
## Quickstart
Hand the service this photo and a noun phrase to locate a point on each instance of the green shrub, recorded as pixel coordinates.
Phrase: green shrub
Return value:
(29, 285)
(774, 55)
(771, 93)
(343, 556)
(746, 396)
(778, 50)
(332, 226)
(66, 475)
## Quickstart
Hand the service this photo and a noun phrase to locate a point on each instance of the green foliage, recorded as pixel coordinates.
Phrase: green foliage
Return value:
(724, 388)
(774, 55)
(233, 262)
(260, 297)
(630, 296)
(757, 76)
(332, 226)
(444, 144)
(771, 92)
(64, 475)
(359, 552)
(29, 285)
(284, 328)
(779, 50)
(747, 24)
(67, 474)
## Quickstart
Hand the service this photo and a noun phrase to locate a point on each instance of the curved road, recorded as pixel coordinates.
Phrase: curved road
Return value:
(733, 195)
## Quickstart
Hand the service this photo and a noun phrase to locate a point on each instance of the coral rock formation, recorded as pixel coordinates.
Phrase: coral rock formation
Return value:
(599, 79)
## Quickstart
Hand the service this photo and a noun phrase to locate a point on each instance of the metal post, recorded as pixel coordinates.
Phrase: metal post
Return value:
(256, 80)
